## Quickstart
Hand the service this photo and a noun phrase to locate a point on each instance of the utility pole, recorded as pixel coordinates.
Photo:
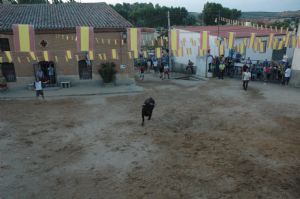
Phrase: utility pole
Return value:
(169, 42)
(219, 23)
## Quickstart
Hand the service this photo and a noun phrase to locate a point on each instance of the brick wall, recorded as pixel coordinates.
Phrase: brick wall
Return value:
(57, 44)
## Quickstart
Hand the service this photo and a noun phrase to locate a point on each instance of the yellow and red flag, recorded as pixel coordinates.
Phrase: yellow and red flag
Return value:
(85, 38)
(24, 40)
(134, 40)
(252, 40)
(174, 36)
(271, 38)
(231, 40)
(204, 40)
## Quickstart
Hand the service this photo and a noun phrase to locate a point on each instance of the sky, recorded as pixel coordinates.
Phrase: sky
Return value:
(197, 5)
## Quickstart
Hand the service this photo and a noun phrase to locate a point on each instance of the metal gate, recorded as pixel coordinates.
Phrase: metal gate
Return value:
(8, 71)
(85, 70)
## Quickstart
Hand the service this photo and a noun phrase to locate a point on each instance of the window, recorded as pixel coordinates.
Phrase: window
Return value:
(8, 71)
(4, 44)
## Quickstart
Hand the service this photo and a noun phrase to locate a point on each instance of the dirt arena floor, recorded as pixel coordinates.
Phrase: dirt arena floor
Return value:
(206, 140)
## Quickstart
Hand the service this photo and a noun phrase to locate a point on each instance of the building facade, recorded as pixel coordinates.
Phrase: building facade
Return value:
(55, 33)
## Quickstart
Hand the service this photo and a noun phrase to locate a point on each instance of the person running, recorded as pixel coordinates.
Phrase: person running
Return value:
(246, 77)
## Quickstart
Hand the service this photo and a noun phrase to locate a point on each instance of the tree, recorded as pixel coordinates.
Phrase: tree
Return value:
(149, 15)
(211, 12)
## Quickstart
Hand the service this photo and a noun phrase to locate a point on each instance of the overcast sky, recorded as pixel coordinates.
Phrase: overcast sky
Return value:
(197, 5)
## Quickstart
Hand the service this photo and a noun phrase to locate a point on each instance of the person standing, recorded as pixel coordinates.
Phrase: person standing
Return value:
(246, 77)
(287, 75)
(142, 71)
(40, 74)
(155, 65)
(39, 88)
(161, 70)
(221, 72)
(51, 74)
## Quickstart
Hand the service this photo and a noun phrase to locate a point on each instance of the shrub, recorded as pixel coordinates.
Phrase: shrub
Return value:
(108, 71)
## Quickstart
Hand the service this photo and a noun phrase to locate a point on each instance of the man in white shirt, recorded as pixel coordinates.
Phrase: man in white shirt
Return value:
(287, 75)
(39, 88)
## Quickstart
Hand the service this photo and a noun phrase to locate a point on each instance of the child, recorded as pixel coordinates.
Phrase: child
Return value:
(246, 77)
(39, 88)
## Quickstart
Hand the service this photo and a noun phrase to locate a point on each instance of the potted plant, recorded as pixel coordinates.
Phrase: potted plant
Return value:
(108, 72)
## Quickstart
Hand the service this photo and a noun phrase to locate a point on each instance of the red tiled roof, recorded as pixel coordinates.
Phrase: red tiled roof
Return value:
(241, 31)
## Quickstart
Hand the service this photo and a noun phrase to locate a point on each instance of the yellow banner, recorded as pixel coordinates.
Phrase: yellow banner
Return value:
(231, 40)
(84, 38)
(252, 40)
(179, 52)
(56, 59)
(275, 43)
(271, 38)
(280, 44)
(1, 60)
(205, 40)
(100, 57)
(24, 38)
(294, 42)
(114, 54)
(287, 41)
(69, 54)
(221, 49)
(174, 39)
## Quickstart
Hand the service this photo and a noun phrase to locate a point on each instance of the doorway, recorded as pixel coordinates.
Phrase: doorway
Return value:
(85, 70)
(45, 70)
(8, 71)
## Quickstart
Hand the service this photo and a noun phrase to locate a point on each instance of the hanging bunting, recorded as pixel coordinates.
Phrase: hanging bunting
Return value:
(100, 57)
(114, 54)
(134, 40)
(56, 59)
(158, 53)
(102, 40)
(261, 47)
(108, 41)
(145, 54)
(271, 38)
(179, 52)
(298, 41)
(67, 60)
(97, 40)
(116, 43)
(200, 52)
(245, 41)
(46, 55)
(69, 54)
(32, 55)
(67, 37)
(104, 56)
(281, 43)
(8, 56)
(130, 55)
(24, 37)
(252, 40)
(294, 42)
(1, 60)
(28, 60)
(231, 40)
(256, 45)
(122, 42)
(275, 43)
(287, 40)
(221, 50)
(91, 55)
(174, 36)
(19, 60)
(85, 37)
(77, 58)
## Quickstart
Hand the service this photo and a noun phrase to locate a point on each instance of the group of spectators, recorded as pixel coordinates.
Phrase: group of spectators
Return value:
(160, 66)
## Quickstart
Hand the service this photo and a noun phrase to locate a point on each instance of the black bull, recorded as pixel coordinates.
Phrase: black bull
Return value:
(147, 109)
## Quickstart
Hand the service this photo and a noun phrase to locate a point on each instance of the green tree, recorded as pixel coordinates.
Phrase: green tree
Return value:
(149, 15)
(211, 12)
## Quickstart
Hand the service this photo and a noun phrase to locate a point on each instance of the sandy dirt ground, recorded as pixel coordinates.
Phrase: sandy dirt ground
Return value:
(206, 140)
